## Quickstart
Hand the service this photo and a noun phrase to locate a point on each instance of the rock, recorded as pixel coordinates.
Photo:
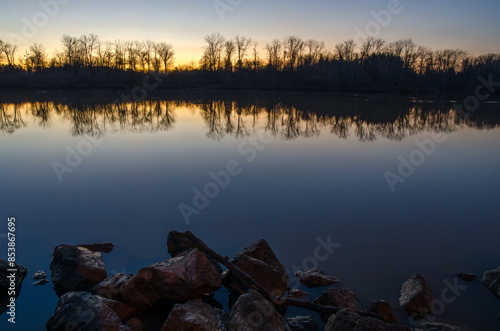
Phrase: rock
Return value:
(346, 320)
(260, 251)
(438, 327)
(382, 307)
(467, 277)
(315, 278)
(39, 275)
(339, 297)
(193, 315)
(74, 268)
(253, 312)
(41, 282)
(83, 311)
(135, 324)
(188, 275)
(104, 248)
(491, 279)
(416, 297)
(178, 242)
(6, 281)
(222, 318)
(271, 278)
(297, 294)
(302, 323)
(124, 311)
(110, 287)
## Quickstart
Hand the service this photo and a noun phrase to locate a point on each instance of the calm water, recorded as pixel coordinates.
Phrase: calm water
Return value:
(306, 168)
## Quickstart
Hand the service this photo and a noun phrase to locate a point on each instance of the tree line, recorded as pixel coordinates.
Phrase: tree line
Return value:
(291, 62)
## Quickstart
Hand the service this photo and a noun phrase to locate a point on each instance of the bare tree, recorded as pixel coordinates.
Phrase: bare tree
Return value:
(212, 55)
(166, 52)
(313, 51)
(256, 59)
(229, 51)
(36, 59)
(242, 44)
(345, 51)
(70, 49)
(273, 54)
(292, 51)
(9, 50)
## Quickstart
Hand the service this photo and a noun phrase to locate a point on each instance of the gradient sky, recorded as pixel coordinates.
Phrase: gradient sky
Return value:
(470, 25)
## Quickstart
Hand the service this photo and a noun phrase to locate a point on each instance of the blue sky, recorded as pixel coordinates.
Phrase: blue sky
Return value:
(472, 26)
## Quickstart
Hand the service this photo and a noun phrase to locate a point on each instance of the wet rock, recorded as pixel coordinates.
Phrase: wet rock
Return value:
(104, 248)
(193, 315)
(222, 318)
(188, 275)
(41, 282)
(416, 297)
(382, 307)
(315, 278)
(110, 287)
(297, 294)
(74, 268)
(346, 320)
(83, 311)
(302, 323)
(178, 242)
(124, 311)
(40, 275)
(491, 279)
(6, 279)
(253, 312)
(135, 324)
(339, 297)
(467, 277)
(438, 327)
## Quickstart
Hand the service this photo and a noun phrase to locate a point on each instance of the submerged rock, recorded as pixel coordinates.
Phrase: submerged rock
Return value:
(83, 311)
(6, 279)
(416, 297)
(110, 287)
(491, 279)
(189, 275)
(74, 269)
(41, 282)
(104, 248)
(382, 307)
(193, 315)
(438, 327)
(39, 275)
(302, 323)
(297, 294)
(338, 297)
(315, 278)
(253, 312)
(467, 277)
(346, 320)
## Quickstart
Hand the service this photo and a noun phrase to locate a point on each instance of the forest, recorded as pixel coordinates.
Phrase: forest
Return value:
(290, 63)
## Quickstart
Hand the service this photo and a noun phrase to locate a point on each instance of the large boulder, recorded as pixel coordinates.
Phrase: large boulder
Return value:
(253, 312)
(338, 297)
(382, 307)
(416, 297)
(7, 279)
(491, 279)
(104, 248)
(346, 320)
(260, 263)
(188, 275)
(194, 315)
(110, 287)
(75, 268)
(302, 323)
(315, 278)
(83, 311)
(124, 311)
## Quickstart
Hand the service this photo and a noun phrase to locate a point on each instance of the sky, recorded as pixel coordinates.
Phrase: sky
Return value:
(473, 26)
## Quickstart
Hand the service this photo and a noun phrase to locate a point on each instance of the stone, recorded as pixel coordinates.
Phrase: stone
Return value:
(188, 275)
(297, 294)
(315, 278)
(416, 297)
(6, 280)
(83, 311)
(110, 287)
(74, 269)
(124, 311)
(382, 307)
(104, 248)
(438, 327)
(39, 275)
(253, 312)
(491, 279)
(302, 323)
(41, 282)
(467, 277)
(135, 324)
(346, 320)
(193, 315)
(338, 297)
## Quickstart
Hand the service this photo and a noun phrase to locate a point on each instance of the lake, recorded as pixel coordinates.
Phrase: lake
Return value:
(398, 184)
